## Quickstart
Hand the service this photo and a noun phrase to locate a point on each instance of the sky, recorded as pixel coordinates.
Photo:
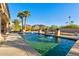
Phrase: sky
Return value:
(46, 13)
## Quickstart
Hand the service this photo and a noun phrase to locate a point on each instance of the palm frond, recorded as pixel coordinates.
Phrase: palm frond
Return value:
(26, 13)
(20, 15)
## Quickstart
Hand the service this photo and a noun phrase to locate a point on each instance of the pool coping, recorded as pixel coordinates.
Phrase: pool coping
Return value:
(63, 36)
(60, 36)
(74, 51)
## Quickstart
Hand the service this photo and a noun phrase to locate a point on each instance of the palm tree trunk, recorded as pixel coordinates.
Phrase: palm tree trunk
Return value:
(25, 23)
(22, 25)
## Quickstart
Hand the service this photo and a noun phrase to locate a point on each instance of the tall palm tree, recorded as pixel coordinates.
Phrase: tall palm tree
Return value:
(21, 16)
(70, 22)
(26, 14)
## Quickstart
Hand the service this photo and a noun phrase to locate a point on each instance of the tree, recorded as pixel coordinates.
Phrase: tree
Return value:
(70, 21)
(17, 26)
(26, 14)
(28, 27)
(53, 27)
(35, 28)
(43, 27)
(39, 27)
(72, 26)
(21, 16)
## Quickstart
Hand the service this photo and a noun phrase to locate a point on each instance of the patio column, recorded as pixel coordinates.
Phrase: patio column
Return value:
(7, 28)
(57, 32)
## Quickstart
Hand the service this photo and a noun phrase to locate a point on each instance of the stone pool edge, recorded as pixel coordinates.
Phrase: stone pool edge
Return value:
(74, 51)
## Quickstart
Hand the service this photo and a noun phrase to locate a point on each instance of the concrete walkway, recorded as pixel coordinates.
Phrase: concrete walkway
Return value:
(14, 45)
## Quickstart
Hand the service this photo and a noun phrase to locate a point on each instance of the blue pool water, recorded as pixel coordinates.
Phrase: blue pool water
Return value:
(49, 45)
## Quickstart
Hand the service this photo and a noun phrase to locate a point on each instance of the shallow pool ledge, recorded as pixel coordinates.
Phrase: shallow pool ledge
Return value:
(74, 51)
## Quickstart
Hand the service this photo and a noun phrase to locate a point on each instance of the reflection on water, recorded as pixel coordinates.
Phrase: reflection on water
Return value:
(38, 38)
(41, 38)
(56, 39)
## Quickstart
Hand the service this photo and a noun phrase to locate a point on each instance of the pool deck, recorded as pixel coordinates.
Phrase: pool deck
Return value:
(14, 45)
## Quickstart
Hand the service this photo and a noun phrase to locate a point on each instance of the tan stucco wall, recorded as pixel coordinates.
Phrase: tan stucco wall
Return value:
(4, 16)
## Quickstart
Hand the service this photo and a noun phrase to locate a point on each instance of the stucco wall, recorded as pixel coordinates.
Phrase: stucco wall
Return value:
(69, 30)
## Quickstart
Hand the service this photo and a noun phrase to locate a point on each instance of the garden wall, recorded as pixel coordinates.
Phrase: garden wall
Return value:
(69, 30)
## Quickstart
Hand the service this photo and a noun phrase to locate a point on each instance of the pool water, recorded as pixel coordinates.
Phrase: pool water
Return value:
(49, 45)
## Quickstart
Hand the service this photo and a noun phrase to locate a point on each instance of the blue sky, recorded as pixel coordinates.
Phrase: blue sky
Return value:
(46, 13)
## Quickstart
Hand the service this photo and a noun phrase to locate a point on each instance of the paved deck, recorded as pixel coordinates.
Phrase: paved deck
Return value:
(74, 50)
(14, 45)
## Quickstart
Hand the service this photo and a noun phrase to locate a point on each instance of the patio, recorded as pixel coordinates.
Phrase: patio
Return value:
(14, 45)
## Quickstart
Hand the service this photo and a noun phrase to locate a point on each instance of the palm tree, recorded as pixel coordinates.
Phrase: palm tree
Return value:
(70, 22)
(26, 14)
(21, 16)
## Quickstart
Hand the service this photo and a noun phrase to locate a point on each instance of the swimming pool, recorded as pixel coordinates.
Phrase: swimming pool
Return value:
(49, 45)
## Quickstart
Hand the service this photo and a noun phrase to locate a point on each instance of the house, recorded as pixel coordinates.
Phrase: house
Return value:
(4, 20)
